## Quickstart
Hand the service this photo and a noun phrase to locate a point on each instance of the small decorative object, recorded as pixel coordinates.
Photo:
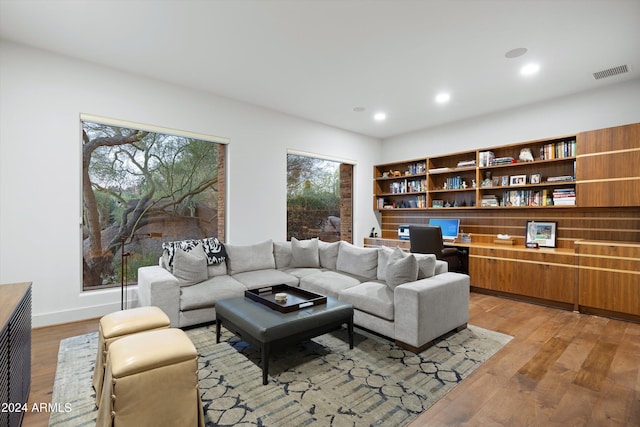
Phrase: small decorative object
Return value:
(505, 180)
(525, 155)
(394, 173)
(465, 237)
(496, 181)
(437, 204)
(487, 182)
(541, 233)
(280, 297)
(464, 184)
(535, 178)
(385, 174)
(447, 205)
(473, 183)
(444, 186)
(518, 179)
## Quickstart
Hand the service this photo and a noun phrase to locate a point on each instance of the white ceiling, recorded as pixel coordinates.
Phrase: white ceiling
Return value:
(319, 59)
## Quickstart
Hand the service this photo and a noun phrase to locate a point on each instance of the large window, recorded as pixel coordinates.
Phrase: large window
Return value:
(140, 188)
(319, 198)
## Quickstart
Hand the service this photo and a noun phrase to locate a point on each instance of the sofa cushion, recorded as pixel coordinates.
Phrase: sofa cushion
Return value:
(359, 261)
(371, 297)
(300, 272)
(401, 268)
(241, 258)
(328, 283)
(383, 258)
(219, 269)
(426, 265)
(328, 254)
(282, 254)
(304, 253)
(190, 267)
(213, 249)
(261, 278)
(205, 294)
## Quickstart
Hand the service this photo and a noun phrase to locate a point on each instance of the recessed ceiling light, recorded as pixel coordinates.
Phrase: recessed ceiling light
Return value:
(442, 97)
(380, 116)
(529, 69)
(515, 53)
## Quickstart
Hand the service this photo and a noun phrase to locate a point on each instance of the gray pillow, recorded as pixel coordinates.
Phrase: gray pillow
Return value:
(241, 258)
(401, 268)
(358, 261)
(383, 258)
(426, 265)
(191, 266)
(282, 254)
(304, 253)
(328, 254)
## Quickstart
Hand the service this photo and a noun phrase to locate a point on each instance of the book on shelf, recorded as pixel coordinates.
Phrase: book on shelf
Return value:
(485, 157)
(498, 161)
(437, 170)
(564, 196)
(562, 178)
(466, 163)
(489, 200)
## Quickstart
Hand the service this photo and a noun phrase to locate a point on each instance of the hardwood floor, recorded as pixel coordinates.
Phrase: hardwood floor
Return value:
(560, 369)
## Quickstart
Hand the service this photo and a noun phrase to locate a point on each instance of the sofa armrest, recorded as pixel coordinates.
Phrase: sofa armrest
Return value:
(428, 308)
(157, 287)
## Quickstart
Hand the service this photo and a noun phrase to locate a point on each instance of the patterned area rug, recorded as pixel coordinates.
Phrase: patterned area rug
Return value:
(319, 381)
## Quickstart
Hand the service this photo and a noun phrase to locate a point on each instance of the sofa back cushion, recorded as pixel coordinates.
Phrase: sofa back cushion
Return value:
(357, 261)
(328, 254)
(282, 254)
(426, 265)
(241, 258)
(304, 253)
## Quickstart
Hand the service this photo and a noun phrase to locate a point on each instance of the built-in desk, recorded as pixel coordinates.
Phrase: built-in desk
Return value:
(596, 277)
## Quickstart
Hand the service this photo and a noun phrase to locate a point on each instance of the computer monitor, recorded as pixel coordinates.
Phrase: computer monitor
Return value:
(449, 227)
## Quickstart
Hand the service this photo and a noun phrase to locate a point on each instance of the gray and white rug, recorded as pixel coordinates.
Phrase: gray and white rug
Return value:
(319, 382)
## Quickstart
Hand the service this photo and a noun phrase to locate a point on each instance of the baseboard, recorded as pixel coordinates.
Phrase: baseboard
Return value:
(76, 314)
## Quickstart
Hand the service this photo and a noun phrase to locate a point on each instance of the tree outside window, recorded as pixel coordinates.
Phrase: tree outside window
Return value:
(316, 199)
(141, 188)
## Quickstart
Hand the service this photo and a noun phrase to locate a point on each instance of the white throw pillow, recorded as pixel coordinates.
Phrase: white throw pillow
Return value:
(328, 254)
(358, 261)
(190, 267)
(304, 253)
(241, 258)
(401, 268)
(426, 265)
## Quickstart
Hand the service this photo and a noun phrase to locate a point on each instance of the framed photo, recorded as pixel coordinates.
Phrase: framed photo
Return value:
(518, 180)
(505, 180)
(542, 233)
(535, 178)
(496, 181)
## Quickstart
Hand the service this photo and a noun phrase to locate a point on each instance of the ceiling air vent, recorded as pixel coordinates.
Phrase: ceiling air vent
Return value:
(621, 69)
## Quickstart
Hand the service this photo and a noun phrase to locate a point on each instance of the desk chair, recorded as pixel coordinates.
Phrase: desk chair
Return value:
(426, 239)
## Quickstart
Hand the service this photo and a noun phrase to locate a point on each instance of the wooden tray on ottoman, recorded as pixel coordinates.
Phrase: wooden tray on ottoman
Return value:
(297, 298)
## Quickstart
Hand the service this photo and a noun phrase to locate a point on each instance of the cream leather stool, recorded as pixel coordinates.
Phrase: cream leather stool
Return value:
(151, 379)
(120, 324)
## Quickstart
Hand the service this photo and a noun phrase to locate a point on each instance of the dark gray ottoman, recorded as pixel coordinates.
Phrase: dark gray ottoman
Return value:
(264, 327)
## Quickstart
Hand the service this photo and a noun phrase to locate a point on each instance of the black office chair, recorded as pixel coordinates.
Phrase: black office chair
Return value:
(427, 239)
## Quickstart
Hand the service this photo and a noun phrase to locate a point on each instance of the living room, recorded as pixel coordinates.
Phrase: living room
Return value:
(46, 90)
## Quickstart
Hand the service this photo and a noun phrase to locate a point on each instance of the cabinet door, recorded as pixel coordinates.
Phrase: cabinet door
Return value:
(607, 167)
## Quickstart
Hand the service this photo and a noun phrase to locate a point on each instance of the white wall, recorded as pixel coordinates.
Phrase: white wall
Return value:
(42, 96)
(600, 108)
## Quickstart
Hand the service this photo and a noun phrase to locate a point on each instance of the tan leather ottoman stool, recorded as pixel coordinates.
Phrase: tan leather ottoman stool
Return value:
(120, 324)
(151, 379)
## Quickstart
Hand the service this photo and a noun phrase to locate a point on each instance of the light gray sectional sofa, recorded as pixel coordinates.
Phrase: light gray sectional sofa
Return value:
(410, 298)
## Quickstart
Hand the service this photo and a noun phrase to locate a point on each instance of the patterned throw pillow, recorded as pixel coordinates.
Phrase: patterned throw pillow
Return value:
(213, 249)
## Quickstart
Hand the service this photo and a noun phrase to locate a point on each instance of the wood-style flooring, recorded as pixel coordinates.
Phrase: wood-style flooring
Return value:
(560, 369)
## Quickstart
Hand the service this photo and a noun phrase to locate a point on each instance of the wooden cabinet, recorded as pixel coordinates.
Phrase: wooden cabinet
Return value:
(451, 180)
(609, 278)
(15, 350)
(608, 167)
(538, 275)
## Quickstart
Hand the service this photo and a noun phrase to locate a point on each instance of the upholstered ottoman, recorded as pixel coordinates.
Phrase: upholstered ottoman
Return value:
(120, 324)
(151, 379)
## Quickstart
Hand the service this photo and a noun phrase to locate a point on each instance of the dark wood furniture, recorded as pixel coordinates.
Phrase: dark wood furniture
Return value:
(15, 352)
(265, 328)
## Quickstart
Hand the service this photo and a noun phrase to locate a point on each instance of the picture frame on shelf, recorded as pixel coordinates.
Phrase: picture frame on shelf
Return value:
(542, 233)
(496, 181)
(505, 180)
(437, 204)
(535, 178)
(517, 179)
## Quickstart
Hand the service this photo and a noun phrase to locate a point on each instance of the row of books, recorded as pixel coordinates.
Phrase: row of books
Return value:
(497, 161)
(454, 183)
(524, 198)
(564, 196)
(416, 168)
(558, 150)
(413, 202)
(408, 186)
